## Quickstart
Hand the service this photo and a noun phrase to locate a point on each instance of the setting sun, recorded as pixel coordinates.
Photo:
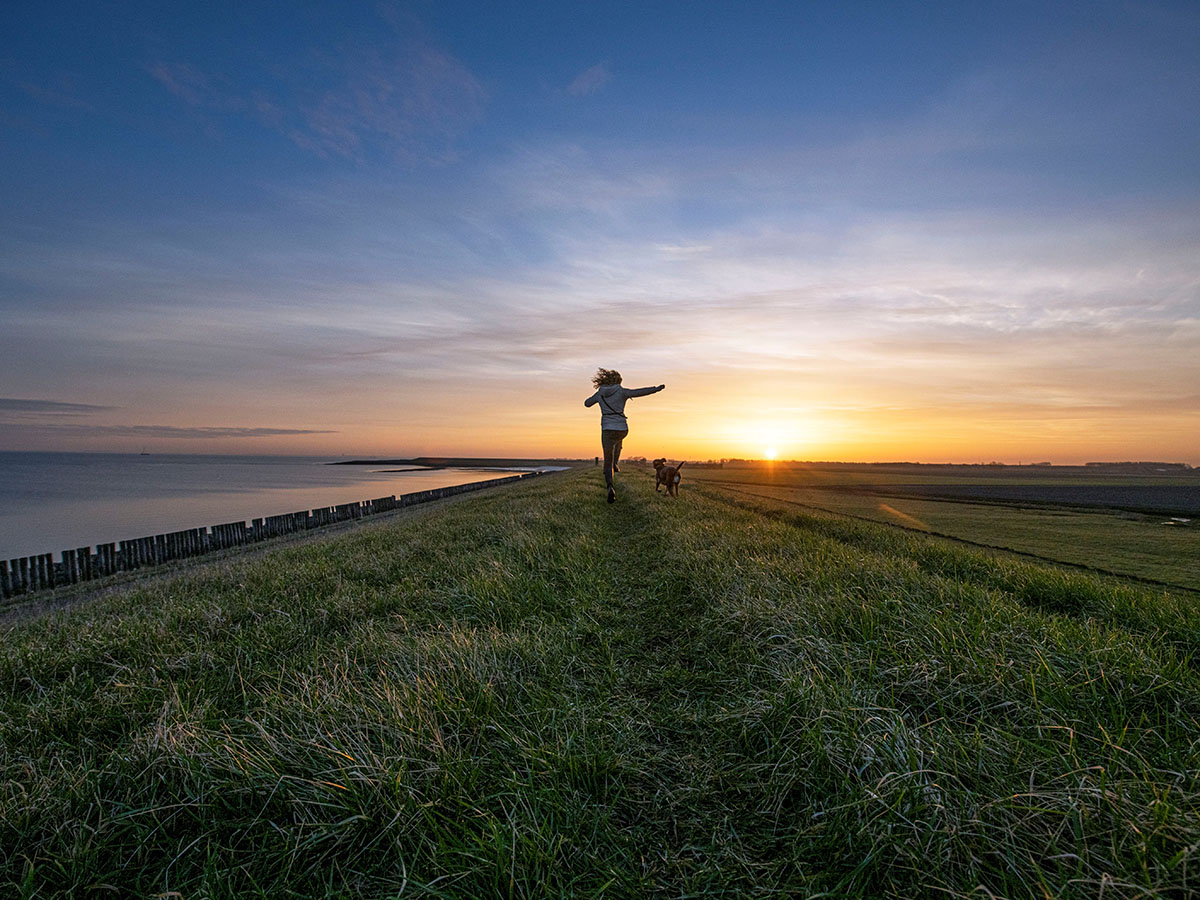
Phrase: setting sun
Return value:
(770, 453)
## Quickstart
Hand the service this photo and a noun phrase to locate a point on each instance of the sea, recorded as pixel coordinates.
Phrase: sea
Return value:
(55, 501)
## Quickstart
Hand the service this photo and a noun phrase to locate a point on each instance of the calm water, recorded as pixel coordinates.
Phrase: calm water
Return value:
(55, 501)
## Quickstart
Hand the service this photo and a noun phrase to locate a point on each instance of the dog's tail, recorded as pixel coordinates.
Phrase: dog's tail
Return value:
(680, 466)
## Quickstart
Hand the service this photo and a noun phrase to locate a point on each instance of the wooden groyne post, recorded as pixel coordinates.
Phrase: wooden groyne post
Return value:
(27, 574)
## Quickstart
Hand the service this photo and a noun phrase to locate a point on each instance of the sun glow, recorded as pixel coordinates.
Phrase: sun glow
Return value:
(772, 434)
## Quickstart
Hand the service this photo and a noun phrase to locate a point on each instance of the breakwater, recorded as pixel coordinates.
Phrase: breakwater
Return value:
(40, 572)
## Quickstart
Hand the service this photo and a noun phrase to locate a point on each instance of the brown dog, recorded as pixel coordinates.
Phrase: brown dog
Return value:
(667, 475)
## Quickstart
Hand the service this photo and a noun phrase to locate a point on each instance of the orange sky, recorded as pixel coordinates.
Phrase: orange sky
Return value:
(705, 415)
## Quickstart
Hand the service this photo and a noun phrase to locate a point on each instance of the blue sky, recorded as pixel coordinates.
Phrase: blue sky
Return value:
(868, 231)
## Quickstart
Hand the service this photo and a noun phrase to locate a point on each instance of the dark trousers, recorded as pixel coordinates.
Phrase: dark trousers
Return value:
(611, 442)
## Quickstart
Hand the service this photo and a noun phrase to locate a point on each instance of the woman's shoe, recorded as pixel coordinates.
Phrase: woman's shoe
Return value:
(612, 496)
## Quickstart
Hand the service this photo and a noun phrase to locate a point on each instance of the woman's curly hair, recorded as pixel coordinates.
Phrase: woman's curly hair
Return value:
(606, 376)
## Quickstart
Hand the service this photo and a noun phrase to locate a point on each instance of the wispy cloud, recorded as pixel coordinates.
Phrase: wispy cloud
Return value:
(51, 418)
(590, 80)
(399, 96)
(189, 84)
(10, 405)
(415, 101)
(174, 431)
(568, 178)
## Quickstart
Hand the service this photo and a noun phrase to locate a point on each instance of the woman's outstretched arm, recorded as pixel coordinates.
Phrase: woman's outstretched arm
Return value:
(642, 392)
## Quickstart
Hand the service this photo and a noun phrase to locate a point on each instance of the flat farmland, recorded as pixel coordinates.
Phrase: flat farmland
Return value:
(1124, 525)
(1164, 499)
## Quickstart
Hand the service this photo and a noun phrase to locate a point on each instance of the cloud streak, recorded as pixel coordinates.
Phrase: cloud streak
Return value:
(397, 97)
(175, 431)
(590, 81)
(13, 406)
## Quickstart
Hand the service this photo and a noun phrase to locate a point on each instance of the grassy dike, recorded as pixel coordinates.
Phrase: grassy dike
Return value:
(531, 693)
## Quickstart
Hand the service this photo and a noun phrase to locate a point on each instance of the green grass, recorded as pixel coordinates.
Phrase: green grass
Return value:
(533, 693)
(1136, 545)
(874, 475)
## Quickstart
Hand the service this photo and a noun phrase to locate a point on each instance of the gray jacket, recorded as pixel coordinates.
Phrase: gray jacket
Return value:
(611, 398)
